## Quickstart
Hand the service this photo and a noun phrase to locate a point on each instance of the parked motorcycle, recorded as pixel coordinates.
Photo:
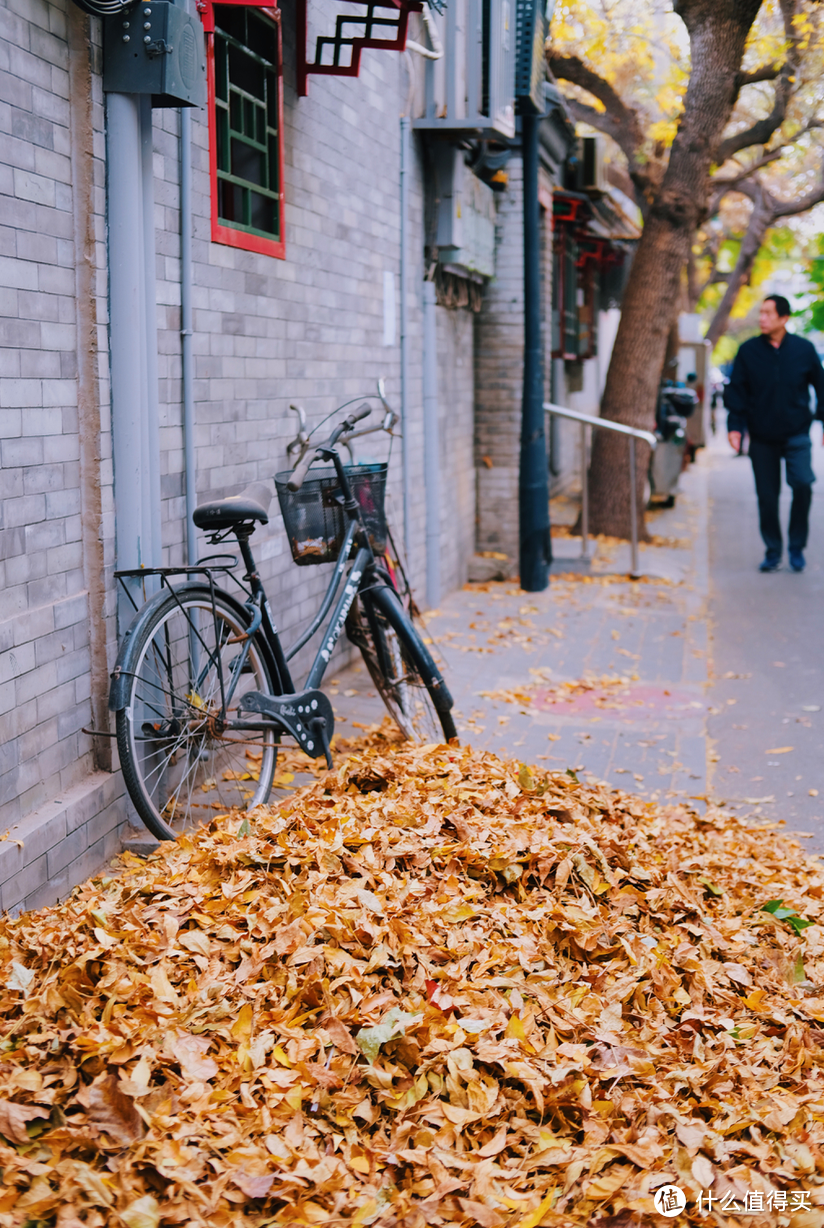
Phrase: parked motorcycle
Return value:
(675, 405)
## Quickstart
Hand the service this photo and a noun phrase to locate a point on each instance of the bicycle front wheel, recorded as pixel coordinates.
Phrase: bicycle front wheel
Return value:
(408, 695)
(181, 765)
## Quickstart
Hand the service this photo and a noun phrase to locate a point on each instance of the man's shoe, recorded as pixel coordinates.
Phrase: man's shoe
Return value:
(771, 562)
(797, 560)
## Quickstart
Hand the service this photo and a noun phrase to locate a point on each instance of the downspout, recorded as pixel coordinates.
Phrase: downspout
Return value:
(431, 447)
(152, 457)
(123, 162)
(430, 340)
(406, 442)
(190, 472)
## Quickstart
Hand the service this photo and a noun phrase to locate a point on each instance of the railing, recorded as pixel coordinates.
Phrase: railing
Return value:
(587, 420)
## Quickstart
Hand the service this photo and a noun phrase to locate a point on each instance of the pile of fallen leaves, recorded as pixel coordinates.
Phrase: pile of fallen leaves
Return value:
(432, 987)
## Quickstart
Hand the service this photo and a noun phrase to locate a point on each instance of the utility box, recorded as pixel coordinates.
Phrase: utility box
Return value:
(465, 234)
(470, 90)
(155, 48)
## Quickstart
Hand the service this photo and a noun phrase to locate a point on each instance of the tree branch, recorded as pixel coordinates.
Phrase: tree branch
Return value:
(750, 169)
(790, 208)
(767, 72)
(628, 130)
(602, 120)
(760, 132)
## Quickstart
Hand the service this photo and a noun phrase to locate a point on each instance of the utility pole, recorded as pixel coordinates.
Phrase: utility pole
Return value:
(533, 478)
(535, 549)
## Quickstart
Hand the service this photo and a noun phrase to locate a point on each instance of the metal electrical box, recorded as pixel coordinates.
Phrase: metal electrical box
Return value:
(465, 233)
(155, 48)
(470, 90)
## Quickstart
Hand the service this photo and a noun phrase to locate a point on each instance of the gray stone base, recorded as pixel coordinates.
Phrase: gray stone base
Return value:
(61, 844)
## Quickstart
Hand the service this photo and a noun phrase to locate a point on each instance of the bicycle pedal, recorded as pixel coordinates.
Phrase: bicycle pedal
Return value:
(300, 715)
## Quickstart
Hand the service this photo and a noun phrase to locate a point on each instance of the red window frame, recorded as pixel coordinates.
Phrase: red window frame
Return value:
(221, 233)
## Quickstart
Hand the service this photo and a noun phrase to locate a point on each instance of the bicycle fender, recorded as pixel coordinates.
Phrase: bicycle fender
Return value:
(387, 601)
(118, 687)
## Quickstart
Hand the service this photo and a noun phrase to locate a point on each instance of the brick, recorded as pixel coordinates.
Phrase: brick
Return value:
(26, 451)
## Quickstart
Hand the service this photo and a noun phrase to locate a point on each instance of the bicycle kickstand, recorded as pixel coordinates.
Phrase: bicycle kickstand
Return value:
(318, 727)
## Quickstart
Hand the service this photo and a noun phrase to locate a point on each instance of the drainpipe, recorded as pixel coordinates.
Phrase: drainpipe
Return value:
(406, 442)
(533, 484)
(123, 161)
(186, 329)
(152, 429)
(431, 447)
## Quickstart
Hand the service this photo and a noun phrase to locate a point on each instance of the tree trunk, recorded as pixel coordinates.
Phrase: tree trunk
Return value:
(761, 218)
(718, 31)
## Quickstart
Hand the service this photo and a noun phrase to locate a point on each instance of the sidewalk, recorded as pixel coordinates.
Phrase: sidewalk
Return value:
(602, 675)
(766, 719)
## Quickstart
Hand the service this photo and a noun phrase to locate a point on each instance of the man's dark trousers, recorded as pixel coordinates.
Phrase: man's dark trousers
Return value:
(766, 466)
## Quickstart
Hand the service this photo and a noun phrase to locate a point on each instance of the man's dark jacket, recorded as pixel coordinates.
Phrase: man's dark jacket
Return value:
(768, 393)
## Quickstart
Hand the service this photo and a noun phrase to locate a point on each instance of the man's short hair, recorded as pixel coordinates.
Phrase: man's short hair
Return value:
(782, 305)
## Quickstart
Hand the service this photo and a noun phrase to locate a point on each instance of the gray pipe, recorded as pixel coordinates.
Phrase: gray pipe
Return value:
(186, 329)
(406, 442)
(151, 460)
(431, 446)
(123, 164)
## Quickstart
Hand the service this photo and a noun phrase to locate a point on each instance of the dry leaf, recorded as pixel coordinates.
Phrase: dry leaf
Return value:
(110, 1110)
(421, 989)
(13, 1119)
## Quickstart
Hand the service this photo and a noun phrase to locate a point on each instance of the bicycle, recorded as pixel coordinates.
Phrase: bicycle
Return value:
(201, 689)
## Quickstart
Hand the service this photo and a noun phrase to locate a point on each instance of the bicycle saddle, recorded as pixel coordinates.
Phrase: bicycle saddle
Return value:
(251, 504)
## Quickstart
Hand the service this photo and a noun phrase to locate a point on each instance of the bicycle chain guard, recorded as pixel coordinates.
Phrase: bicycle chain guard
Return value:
(306, 715)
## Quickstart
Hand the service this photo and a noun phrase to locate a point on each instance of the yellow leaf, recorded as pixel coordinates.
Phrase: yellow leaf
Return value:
(533, 1218)
(242, 1027)
(779, 750)
(294, 1098)
(753, 1001)
(144, 1213)
(161, 985)
(608, 1182)
(515, 1029)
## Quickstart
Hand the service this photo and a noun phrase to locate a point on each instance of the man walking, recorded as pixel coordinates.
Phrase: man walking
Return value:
(768, 396)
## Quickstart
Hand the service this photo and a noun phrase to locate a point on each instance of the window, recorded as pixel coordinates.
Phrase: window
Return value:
(245, 127)
(575, 295)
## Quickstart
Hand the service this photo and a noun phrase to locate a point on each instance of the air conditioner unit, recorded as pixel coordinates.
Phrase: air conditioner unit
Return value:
(593, 164)
(470, 90)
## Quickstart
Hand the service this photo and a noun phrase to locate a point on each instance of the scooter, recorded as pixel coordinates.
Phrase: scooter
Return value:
(675, 405)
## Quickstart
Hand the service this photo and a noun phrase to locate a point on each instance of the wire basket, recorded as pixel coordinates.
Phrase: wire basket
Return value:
(314, 517)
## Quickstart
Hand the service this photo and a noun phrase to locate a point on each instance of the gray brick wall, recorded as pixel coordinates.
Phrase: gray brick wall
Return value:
(499, 352)
(307, 328)
(45, 612)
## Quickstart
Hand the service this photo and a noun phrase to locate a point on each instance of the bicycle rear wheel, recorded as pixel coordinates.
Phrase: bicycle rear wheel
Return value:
(407, 695)
(181, 766)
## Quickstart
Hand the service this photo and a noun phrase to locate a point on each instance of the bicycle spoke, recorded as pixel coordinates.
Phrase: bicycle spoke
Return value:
(189, 770)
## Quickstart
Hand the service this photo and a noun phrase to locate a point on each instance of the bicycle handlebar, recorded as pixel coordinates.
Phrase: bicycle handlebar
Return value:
(299, 476)
(302, 468)
(359, 414)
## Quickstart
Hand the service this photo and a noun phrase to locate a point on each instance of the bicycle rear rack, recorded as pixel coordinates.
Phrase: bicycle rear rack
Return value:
(221, 563)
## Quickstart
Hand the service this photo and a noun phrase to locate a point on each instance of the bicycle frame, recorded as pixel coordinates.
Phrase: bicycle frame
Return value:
(263, 619)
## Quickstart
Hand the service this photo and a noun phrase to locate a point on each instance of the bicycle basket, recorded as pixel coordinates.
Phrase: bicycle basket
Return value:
(314, 517)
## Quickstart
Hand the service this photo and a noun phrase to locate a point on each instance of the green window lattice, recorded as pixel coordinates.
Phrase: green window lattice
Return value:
(247, 121)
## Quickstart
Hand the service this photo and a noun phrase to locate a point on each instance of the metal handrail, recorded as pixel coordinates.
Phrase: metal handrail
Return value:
(559, 411)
